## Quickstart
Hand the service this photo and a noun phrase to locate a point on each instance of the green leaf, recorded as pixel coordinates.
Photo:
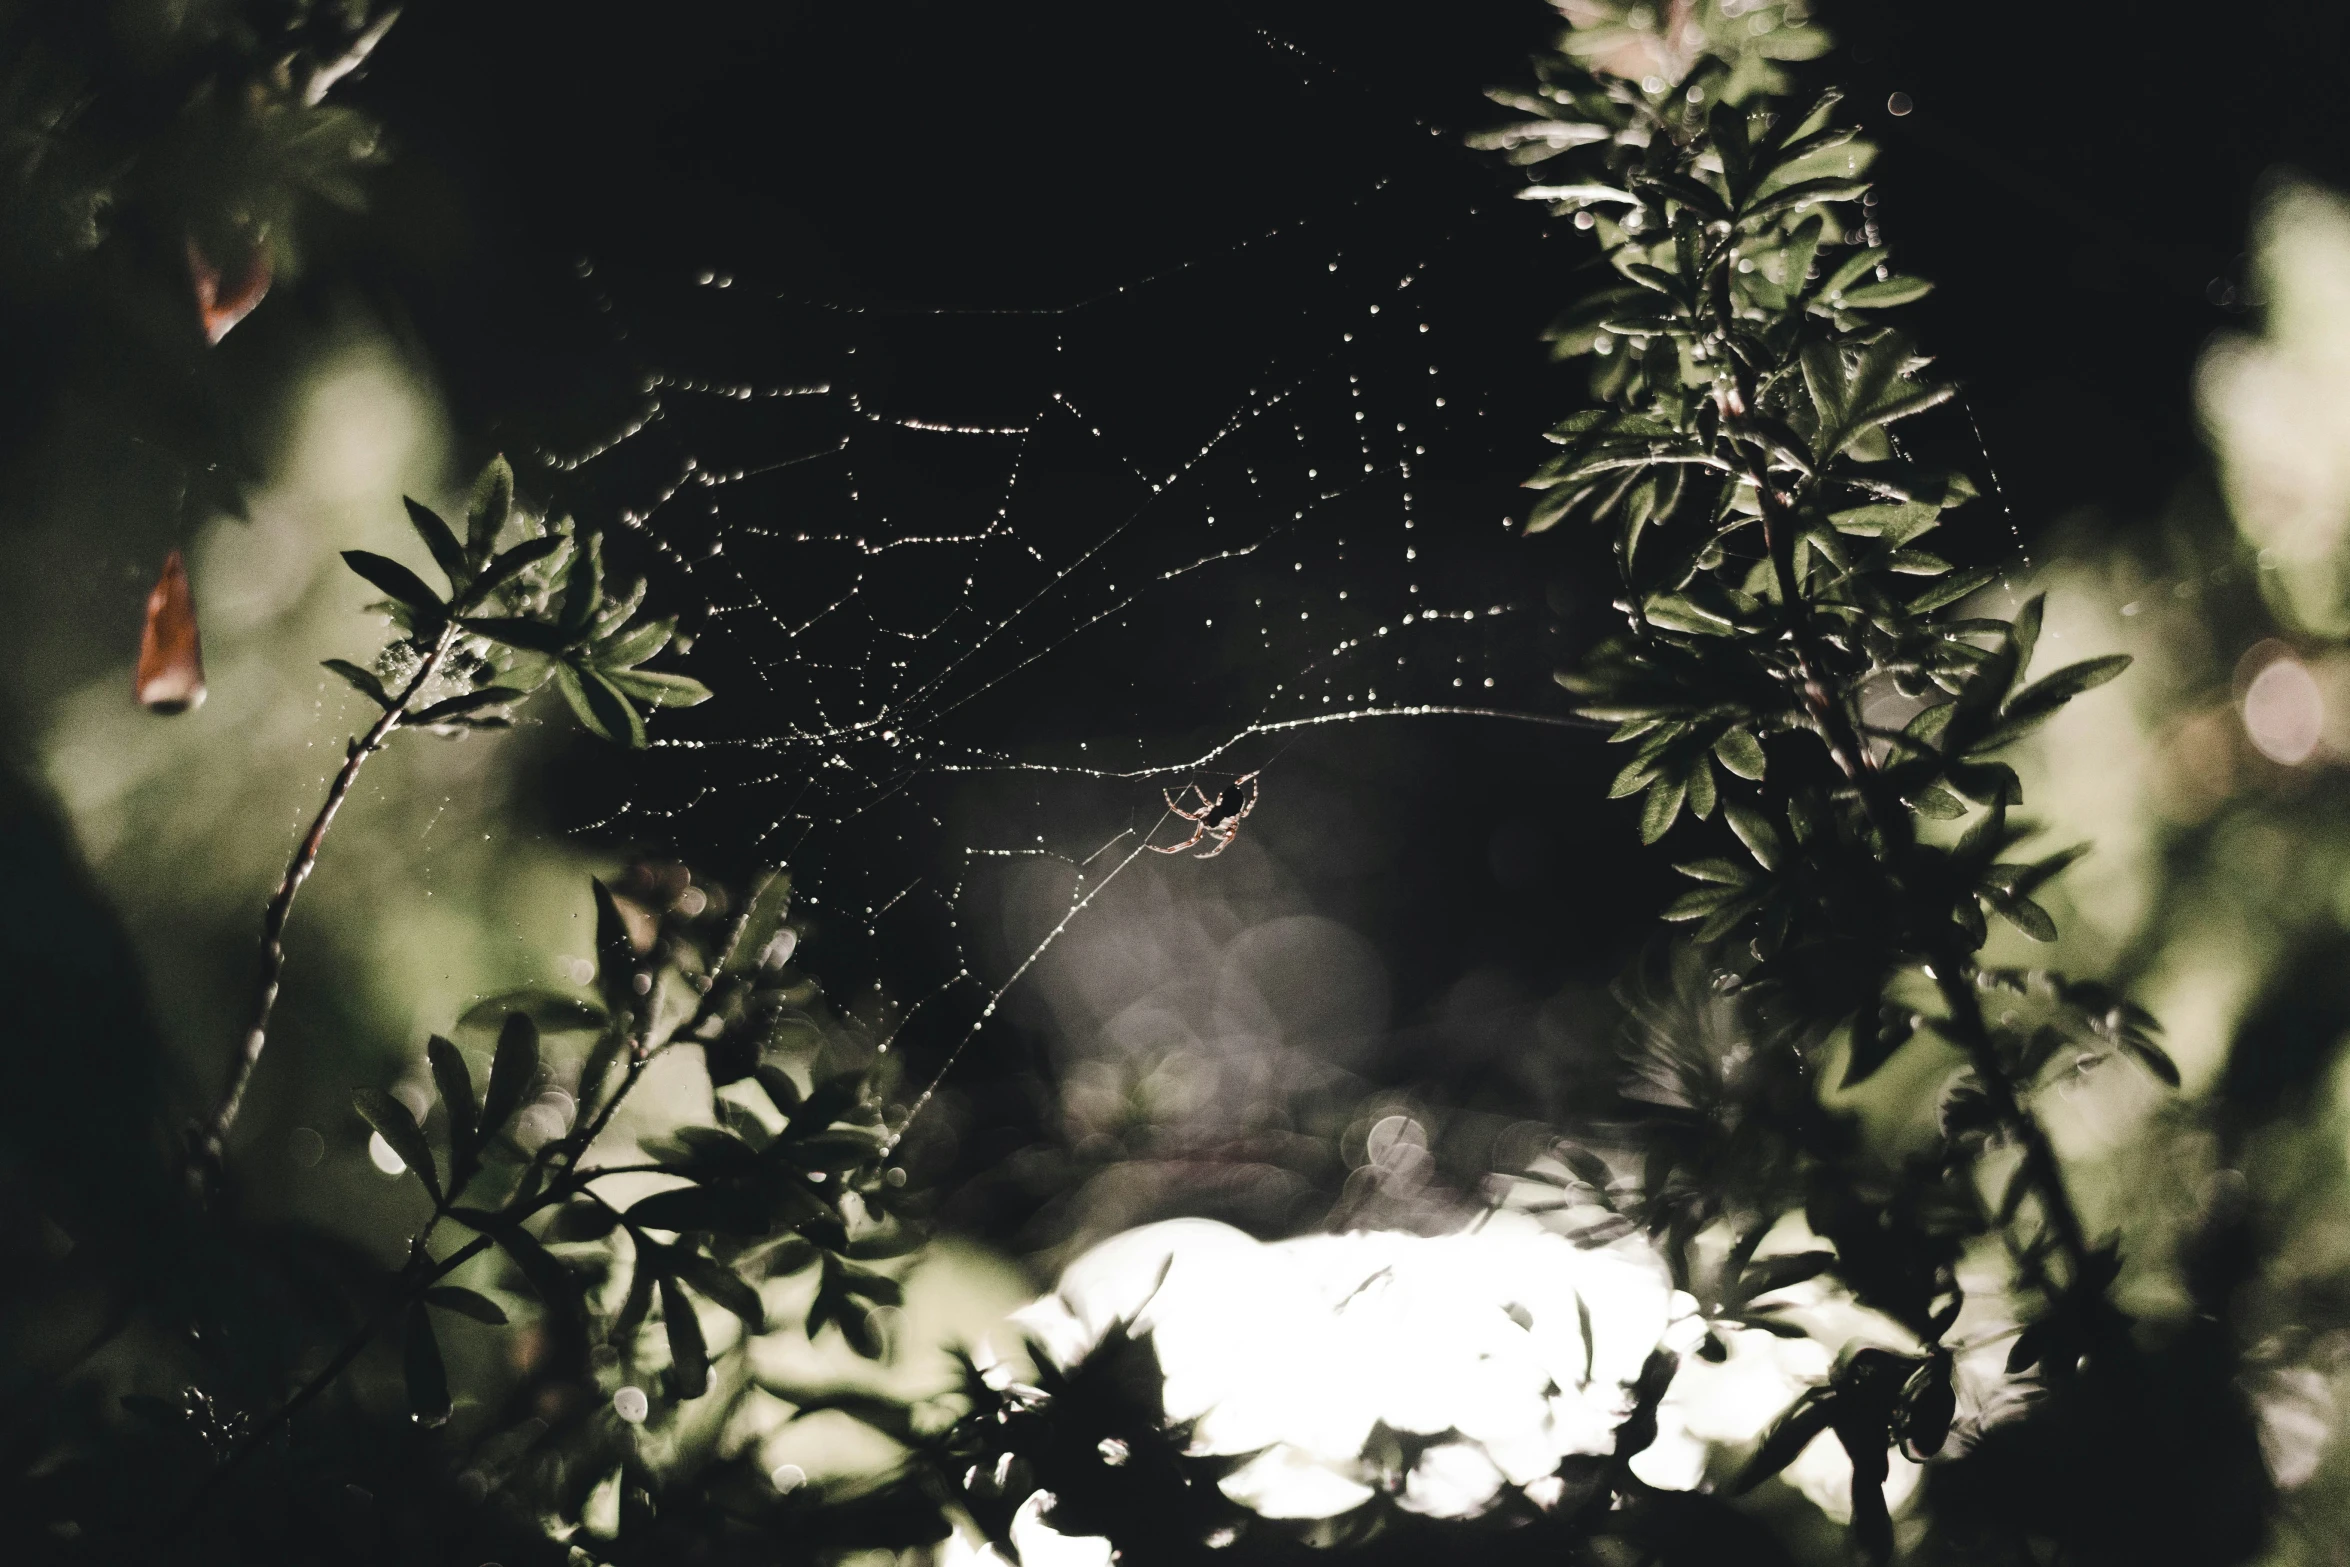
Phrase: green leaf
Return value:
(361, 680)
(583, 587)
(1937, 803)
(1882, 296)
(1701, 789)
(1741, 753)
(1662, 806)
(394, 579)
(1855, 266)
(428, 1375)
(447, 553)
(2044, 697)
(625, 649)
(689, 1355)
(723, 1287)
(1803, 193)
(2026, 916)
(399, 1130)
(1952, 588)
(466, 1303)
(1634, 777)
(455, 1083)
(598, 704)
(514, 1070)
(2023, 633)
(489, 507)
(507, 565)
(1756, 831)
(1697, 903)
(657, 687)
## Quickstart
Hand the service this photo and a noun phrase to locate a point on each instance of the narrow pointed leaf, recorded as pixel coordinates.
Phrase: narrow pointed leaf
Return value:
(428, 1375)
(394, 579)
(447, 553)
(689, 1355)
(455, 1082)
(361, 680)
(657, 688)
(399, 1130)
(491, 504)
(514, 1070)
(466, 1303)
(723, 1287)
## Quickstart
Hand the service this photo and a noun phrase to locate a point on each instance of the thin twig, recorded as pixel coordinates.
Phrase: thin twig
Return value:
(413, 1278)
(273, 921)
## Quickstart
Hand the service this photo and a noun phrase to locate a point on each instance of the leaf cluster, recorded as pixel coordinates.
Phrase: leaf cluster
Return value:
(789, 1181)
(528, 602)
(1817, 701)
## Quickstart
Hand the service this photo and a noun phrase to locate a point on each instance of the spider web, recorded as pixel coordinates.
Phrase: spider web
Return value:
(978, 587)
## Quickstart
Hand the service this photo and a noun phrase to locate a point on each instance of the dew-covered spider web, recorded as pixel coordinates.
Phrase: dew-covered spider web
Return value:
(979, 587)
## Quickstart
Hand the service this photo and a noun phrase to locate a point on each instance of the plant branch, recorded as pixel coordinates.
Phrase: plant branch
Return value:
(414, 1277)
(1953, 974)
(281, 905)
(1952, 967)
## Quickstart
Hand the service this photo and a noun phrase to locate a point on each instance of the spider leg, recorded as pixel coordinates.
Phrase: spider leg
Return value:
(1223, 836)
(1174, 803)
(1199, 830)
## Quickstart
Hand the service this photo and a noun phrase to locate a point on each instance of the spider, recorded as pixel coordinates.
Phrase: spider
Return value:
(1218, 817)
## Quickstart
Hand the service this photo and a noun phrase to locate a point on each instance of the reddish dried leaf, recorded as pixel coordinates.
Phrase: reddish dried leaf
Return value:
(171, 654)
(222, 302)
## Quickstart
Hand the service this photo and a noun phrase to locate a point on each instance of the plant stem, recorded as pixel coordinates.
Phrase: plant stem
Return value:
(1953, 972)
(1953, 968)
(281, 905)
(413, 1278)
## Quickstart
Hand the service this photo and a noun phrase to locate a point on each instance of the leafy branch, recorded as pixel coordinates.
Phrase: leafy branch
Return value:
(1797, 667)
(516, 615)
(758, 1195)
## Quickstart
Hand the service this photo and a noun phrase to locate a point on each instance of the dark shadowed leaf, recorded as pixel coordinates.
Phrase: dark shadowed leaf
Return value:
(689, 1355)
(701, 1210)
(399, 1130)
(447, 553)
(1788, 1436)
(466, 1303)
(487, 510)
(428, 1376)
(361, 680)
(455, 1082)
(531, 636)
(396, 580)
(514, 1071)
(722, 1286)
